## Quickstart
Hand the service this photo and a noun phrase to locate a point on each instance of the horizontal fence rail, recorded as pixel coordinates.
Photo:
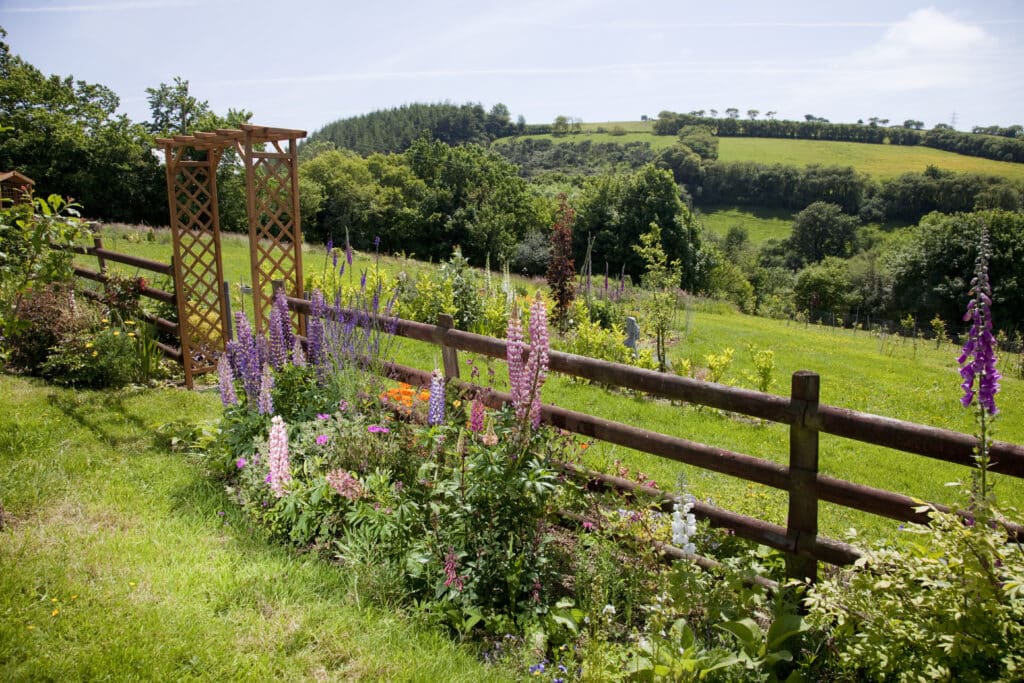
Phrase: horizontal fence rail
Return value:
(801, 411)
(101, 276)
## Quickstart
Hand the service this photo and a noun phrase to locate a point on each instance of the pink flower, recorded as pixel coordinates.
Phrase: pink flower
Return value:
(322, 439)
(377, 429)
(241, 462)
(345, 485)
(277, 456)
(323, 416)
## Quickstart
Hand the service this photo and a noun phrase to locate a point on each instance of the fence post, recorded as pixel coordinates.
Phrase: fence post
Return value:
(802, 522)
(449, 354)
(229, 319)
(97, 243)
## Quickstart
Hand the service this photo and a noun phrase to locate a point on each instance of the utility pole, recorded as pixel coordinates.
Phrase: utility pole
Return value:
(952, 120)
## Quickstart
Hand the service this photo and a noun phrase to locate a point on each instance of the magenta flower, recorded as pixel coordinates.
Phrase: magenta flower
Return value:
(323, 416)
(377, 429)
(979, 353)
(241, 462)
(537, 363)
(322, 440)
(265, 405)
(451, 570)
(476, 417)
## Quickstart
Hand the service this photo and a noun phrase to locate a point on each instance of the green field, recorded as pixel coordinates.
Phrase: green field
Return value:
(879, 161)
(881, 375)
(761, 224)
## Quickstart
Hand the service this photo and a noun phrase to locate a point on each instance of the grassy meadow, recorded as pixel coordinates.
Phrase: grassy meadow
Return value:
(877, 161)
(886, 375)
(122, 560)
(761, 224)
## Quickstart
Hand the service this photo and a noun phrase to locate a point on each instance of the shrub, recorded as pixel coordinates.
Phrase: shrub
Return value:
(42, 318)
(93, 360)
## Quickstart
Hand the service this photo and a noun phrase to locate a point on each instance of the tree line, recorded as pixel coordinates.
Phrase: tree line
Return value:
(999, 147)
(395, 130)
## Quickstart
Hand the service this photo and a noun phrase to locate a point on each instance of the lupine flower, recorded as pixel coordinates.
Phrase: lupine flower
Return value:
(315, 328)
(979, 353)
(476, 417)
(451, 570)
(226, 381)
(285, 318)
(277, 456)
(244, 356)
(537, 363)
(298, 355)
(348, 252)
(278, 350)
(330, 250)
(514, 352)
(684, 525)
(345, 485)
(435, 409)
(376, 241)
(266, 402)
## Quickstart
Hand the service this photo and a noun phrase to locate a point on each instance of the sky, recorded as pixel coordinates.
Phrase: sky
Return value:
(305, 63)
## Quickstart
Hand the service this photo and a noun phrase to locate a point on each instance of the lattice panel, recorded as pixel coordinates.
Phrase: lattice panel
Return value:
(275, 237)
(197, 262)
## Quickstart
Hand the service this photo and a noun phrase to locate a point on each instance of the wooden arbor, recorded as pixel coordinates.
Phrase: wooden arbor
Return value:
(275, 232)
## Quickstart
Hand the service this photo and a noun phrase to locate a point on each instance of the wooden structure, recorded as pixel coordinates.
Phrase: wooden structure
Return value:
(275, 232)
(13, 186)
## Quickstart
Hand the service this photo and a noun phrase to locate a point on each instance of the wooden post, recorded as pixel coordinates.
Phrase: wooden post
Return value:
(228, 318)
(802, 523)
(449, 354)
(97, 242)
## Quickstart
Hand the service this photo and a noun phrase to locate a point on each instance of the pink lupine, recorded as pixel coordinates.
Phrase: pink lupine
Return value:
(277, 456)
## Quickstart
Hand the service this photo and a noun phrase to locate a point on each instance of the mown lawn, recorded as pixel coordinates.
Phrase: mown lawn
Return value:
(120, 560)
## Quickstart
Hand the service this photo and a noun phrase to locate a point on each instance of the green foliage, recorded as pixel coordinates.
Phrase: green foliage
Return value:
(823, 286)
(615, 211)
(26, 258)
(561, 272)
(395, 130)
(946, 602)
(763, 376)
(64, 134)
(41, 319)
(821, 230)
(660, 279)
(718, 364)
(700, 139)
(93, 359)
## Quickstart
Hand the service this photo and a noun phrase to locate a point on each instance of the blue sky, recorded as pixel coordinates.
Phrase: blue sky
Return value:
(304, 63)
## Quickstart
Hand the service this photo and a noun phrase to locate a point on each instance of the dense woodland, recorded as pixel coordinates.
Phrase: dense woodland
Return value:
(425, 178)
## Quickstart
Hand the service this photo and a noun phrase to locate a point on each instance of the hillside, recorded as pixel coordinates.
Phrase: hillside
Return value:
(877, 161)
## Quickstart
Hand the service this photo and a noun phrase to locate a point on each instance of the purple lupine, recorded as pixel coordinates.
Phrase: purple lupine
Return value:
(278, 350)
(266, 402)
(285, 317)
(226, 381)
(435, 409)
(514, 352)
(330, 250)
(476, 417)
(537, 363)
(451, 571)
(979, 353)
(277, 456)
(246, 358)
(315, 328)
(348, 251)
(298, 355)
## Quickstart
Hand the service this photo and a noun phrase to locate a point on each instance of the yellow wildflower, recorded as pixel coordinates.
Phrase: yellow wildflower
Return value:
(54, 612)
(117, 333)
(129, 322)
(131, 334)
(95, 353)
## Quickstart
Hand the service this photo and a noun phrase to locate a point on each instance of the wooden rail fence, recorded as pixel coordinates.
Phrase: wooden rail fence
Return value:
(102, 256)
(806, 417)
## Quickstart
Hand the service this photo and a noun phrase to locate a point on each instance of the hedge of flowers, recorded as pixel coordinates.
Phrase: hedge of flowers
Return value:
(456, 513)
